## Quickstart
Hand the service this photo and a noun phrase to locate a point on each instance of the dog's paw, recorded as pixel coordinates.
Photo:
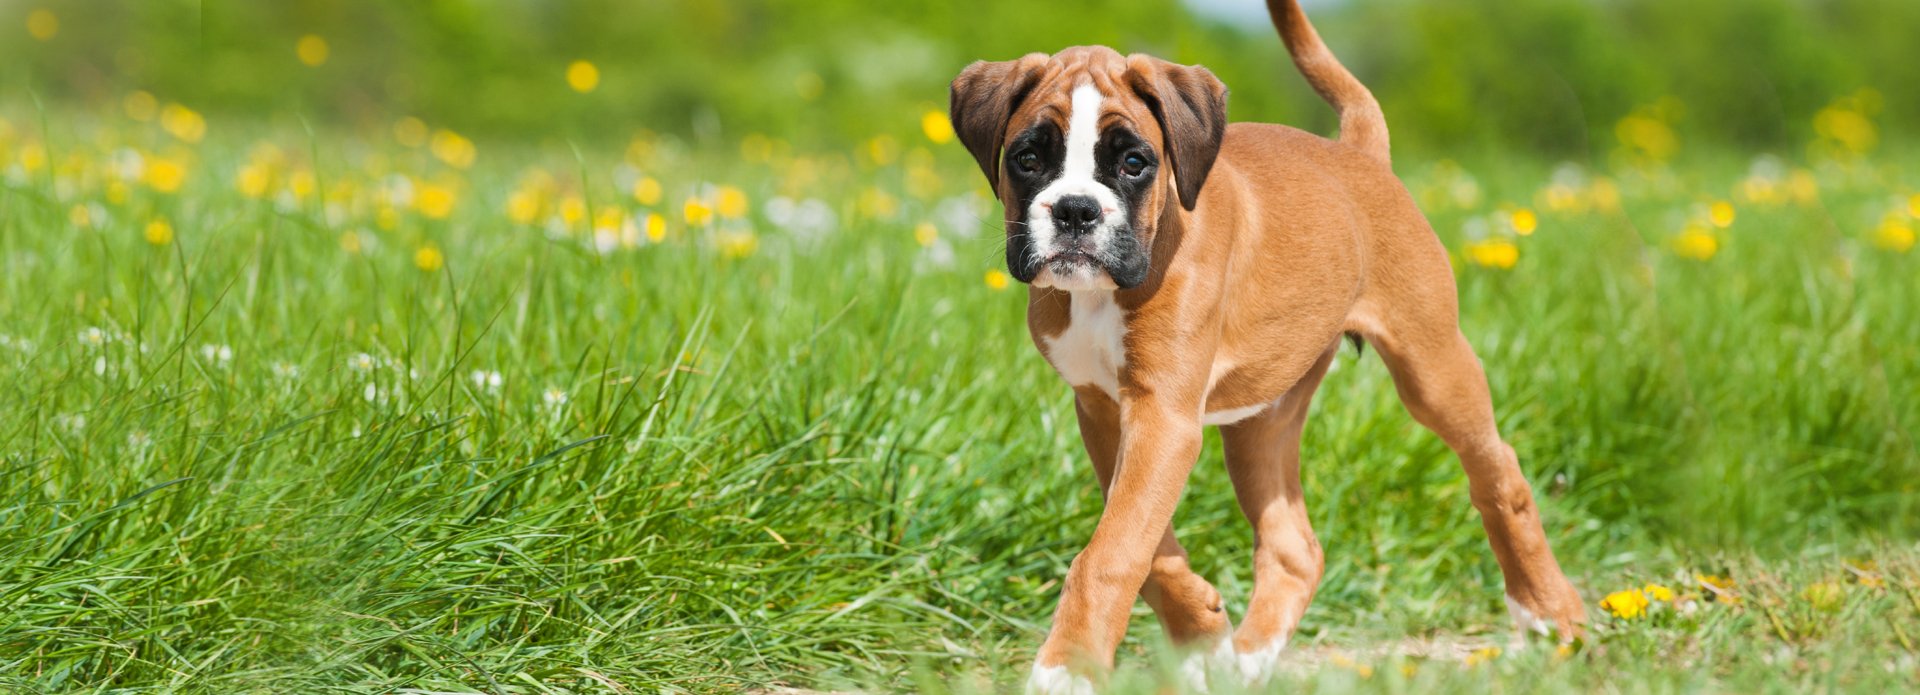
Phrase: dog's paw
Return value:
(1256, 666)
(1057, 680)
(1525, 622)
(1199, 664)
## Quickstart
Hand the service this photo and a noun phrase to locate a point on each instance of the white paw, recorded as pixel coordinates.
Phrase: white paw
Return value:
(1524, 621)
(1258, 665)
(1057, 680)
(1194, 668)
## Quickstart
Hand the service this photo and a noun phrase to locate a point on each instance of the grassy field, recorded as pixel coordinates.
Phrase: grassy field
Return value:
(293, 410)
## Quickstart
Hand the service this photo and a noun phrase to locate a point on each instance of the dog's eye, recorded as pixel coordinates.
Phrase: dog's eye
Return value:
(1133, 164)
(1028, 161)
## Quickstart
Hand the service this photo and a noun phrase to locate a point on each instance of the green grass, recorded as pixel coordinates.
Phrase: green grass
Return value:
(838, 460)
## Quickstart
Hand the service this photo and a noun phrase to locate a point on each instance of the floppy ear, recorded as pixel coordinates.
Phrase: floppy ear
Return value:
(1191, 105)
(984, 97)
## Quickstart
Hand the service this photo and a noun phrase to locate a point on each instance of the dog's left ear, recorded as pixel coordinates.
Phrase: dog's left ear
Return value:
(1191, 105)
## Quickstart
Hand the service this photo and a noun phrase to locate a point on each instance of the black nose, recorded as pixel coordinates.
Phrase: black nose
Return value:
(1076, 214)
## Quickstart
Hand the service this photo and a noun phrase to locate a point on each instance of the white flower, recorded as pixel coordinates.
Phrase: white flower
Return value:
(286, 371)
(72, 424)
(371, 392)
(139, 439)
(219, 354)
(94, 337)
(361, 362)
(486, 379)
(554, 398)
(99, 366)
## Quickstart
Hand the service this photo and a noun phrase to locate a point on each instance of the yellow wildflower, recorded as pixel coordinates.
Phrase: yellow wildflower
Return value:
(1913, 206)
(428, 258)
(43, 24)
(183, 123)
(1894, 235)
(647, 191)
(1524, 222)
(573, 209)
(582, 76)
(1565, 650)
(697, 212)
(453, 148)
(523, 207)
(1803, 187)
(1483, 655)
(882, 149)
(925, 233)
(165, 175)
(1696, 242)
(386, 218)
(656, 227)
(730, 202)
(312, 50)
(254, 180)
(738, 244)
(937, 127)
(996, 280)
(1626, 605)
(350, 242)
(79, 216)
(140, 106)
(1659, 593)
(1494, 253)
(301, 184)
(435, 201)
(1721, 214)
(410, 132)
(159, 233)
(117, 193)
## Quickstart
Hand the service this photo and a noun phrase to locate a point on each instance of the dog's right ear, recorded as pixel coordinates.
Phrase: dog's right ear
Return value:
(983, 99)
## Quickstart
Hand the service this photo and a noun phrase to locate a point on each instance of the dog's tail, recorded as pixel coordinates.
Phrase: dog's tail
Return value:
(1361, 122)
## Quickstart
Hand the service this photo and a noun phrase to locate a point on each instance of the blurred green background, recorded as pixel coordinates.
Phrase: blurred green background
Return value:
(1549, 76)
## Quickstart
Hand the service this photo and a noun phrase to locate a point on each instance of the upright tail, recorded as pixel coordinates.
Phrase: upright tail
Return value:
(1361, 122)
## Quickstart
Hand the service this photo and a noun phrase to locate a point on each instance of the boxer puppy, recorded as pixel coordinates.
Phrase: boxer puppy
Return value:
(1187, 272)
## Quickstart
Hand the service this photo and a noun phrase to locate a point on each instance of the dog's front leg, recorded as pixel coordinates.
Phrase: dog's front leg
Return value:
(1159, 441)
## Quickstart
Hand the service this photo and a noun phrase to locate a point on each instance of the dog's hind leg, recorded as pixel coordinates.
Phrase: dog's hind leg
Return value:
(1442, 384)
(1188, 607)
(1263, 459)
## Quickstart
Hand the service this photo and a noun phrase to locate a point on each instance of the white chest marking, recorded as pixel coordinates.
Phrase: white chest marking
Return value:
(1092, 350)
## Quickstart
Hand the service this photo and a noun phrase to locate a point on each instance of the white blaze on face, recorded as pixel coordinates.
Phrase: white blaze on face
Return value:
(1076, 178)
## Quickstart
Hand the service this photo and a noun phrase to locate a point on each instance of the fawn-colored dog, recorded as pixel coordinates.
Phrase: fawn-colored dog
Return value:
(1188, 272)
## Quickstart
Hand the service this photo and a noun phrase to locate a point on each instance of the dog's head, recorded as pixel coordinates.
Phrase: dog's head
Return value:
(1085, 148)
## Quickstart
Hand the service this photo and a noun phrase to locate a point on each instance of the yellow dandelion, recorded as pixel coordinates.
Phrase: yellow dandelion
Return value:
(609, 218)
(573, 209)
(386, 218)
(1524, 222)
(1494, 253)
(1894, 234)
(582, 76)
(312, 50)
(79, 216)
(1721, 214)
(937, 127)
(350, 242)
(647, 191)
(1659, 593)
(1625, 605)
(1564, 651)
(1803, 187)
(254, 180)
(165, 175)
(1696, 242)
(428, 258)
(730, 202)
(452, 148)
(410, 132)
(1913, 206)
(1483, 655)
(183, 123)
(435, 201)
(738, 244)
(159, 233)
(656, 227)
(997, 280)
(697, 212)
(140, 106)
(523, 207)
(882, 149)
(301, 184)
(43, 24)
(33, 157)
(925, 233)
(118, 193)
